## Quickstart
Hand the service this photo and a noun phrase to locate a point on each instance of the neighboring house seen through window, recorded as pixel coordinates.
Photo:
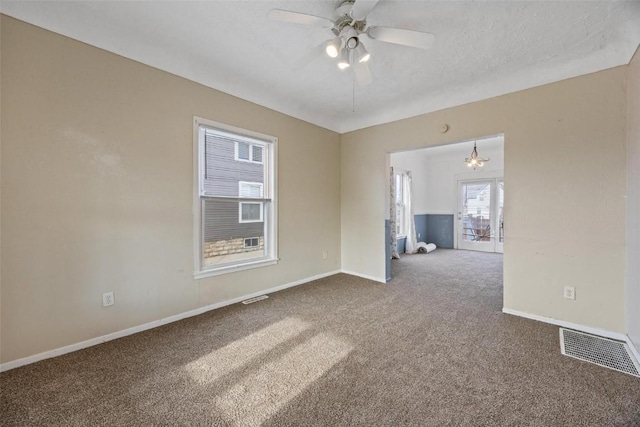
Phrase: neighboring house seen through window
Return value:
(236, 215)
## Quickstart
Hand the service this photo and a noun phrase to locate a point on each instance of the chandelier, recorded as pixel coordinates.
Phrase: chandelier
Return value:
(474, 161)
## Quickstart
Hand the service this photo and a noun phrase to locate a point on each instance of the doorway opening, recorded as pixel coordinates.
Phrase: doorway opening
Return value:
(451, 206)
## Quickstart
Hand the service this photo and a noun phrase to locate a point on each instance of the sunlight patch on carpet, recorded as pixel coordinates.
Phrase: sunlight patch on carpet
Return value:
(225, 360)
(261, 395)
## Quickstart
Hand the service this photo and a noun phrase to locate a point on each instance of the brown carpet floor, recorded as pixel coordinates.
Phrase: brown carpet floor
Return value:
(431, 348)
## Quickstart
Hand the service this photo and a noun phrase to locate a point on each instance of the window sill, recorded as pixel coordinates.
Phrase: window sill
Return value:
(234, 268)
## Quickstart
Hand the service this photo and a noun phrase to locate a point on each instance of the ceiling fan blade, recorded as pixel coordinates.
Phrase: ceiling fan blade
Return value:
(310, 56)
(362, 73)
(361, 9)
(404, 37)
(299, 18)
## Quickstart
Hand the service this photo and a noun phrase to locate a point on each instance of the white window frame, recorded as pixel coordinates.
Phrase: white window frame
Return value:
(236, 152)
(401, 207)
(245, 221)
(270, 152)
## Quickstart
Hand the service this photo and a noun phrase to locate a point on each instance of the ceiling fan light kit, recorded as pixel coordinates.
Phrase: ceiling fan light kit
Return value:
(333, 47)
(348, 24)
(343, 59)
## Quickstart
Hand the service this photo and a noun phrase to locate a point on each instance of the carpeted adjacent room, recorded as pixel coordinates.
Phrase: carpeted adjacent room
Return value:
(430, 348)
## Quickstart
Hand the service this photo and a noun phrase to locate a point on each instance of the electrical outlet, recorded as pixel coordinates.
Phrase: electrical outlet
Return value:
(570, 292)
(325, 255)
(107, 299)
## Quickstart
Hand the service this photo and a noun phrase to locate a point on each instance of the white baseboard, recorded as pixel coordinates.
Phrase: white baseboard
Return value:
(364, 276)
(575, 326)
(129, 331)
(633, 349)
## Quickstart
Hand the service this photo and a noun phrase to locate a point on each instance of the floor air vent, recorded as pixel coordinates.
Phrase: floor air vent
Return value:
(256, 299)
(601, 351)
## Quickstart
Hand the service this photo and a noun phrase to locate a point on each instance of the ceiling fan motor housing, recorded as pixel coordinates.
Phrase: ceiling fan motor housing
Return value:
(342, 19)
(350, 37)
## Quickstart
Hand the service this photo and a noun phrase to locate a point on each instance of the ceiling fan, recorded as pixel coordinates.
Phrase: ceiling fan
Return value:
(348, 26)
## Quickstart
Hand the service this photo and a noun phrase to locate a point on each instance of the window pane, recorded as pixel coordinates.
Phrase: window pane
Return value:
(257, 153)
(251, 211)
(243, 150)
(224, 171)
(252, 242)
(255, 191)
(400, 220)
(398, 188)
(400, 203)
(224, 235)
(250, 190)
(476, 212)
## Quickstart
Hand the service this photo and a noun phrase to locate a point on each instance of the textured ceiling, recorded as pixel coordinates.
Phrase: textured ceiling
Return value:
(482, 49)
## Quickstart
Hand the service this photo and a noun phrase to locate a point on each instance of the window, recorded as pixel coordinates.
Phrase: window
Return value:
(235, 206)
(248, 152)
(251, 242)
(250, 212)
(401, 230)
(252, 190)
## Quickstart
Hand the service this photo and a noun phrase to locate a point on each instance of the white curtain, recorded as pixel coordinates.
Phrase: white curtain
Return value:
(411, 244)
(392, 218)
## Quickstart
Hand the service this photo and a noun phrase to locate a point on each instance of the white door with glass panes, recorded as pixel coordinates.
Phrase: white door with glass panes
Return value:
(480, 215)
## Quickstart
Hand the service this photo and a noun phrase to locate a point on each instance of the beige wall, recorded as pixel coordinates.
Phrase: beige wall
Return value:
(565, 186)
(97, 193)
(436, 171)
(633, 200)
